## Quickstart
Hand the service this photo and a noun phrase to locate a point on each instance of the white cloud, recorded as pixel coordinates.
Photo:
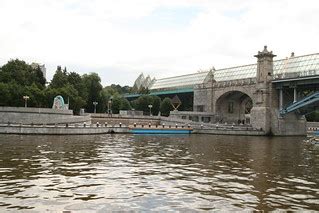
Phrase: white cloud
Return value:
(112, 37)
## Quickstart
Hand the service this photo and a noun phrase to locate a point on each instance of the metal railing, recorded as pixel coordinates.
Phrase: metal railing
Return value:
(300, 104)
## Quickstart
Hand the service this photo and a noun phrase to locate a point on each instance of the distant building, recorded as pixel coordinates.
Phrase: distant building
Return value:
(42, 67)
(142, 82)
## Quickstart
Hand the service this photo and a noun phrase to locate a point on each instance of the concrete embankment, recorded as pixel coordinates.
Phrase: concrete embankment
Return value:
(229, 131)
(215, 129)
(21, 115)
(126, 120)
(312, 127)
(60, 130)
(18, 120)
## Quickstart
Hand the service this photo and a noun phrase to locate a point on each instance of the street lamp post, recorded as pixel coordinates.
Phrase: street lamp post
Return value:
(26, 98)
(150, 106)
(109, 106)
(95, 103)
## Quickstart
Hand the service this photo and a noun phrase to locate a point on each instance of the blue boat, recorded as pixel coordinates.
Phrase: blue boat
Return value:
(141, 130)
(316, 133)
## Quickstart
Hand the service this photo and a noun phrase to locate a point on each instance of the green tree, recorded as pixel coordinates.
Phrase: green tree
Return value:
(69, 94)
(119, 89)
(166, 107)
(38, 77)
(4, 94)
(116, 104)
(60, 78)
(18, 71)
(37, 96)
(125, 104)
(156, 102)
(142, 103)
(313, 117)
(93, 86)
(16, 92)
(78, 83)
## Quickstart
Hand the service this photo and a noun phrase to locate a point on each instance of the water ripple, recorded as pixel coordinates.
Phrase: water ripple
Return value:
(157, 173)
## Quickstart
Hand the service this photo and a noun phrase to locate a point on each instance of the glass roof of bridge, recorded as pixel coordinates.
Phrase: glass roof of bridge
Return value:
(305, 65)
(300, 65)
(240, 72)
(180, 81)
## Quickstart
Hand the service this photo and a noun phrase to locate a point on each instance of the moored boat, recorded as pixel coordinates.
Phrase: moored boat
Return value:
(160, 130)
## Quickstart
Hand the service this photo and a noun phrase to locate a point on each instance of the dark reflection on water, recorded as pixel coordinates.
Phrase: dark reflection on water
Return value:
(159, 173)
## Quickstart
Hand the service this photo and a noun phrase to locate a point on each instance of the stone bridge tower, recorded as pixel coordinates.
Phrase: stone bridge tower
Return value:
(265, 112)
(261, 112)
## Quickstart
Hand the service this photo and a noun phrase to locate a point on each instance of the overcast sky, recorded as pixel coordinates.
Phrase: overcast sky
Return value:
(119, 39)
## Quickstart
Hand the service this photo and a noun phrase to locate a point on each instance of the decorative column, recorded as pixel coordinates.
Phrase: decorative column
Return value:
(295, 94)
(280, 99)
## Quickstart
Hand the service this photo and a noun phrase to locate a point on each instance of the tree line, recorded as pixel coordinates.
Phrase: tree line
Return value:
(17, 79)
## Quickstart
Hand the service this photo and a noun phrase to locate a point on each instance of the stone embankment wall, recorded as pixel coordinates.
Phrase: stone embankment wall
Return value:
(312, 127)
(313, 124)
(60, 130)
(208, 128)
(17, 115)
(229, 131)
(125, 120)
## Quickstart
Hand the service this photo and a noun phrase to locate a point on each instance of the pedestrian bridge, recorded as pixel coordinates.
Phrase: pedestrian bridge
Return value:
(258, 93)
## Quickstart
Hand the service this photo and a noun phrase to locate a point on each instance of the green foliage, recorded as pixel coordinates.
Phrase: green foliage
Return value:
(116, 104)
(313, 117)
(156, 105)
(76, 81)
(17, 78)
(37, 96)
(21, 73)
(70, 95)
(125, 104)
(94, 88)
(118, 101)
(144, 101)
(38, 77)
(82, 91)
(4, 94)
(11, 94)
(166, 107)
(119, 89)
(60, 78)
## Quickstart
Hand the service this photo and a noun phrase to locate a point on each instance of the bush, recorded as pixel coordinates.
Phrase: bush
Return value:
(166, 107)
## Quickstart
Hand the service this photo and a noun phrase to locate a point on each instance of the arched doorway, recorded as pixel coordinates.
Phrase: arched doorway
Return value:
(234, 107)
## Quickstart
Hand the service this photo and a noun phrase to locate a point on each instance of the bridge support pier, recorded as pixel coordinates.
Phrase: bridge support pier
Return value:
(265, 113)
(288, 125)
(260, 119)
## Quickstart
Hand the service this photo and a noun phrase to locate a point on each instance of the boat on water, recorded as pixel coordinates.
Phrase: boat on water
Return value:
(160, 130)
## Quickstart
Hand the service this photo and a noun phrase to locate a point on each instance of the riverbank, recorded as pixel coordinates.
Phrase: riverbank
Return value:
(39, 121)
(94, 129)
(60, 130)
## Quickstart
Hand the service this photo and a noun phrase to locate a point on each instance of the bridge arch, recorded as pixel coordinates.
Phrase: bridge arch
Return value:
(234, 107)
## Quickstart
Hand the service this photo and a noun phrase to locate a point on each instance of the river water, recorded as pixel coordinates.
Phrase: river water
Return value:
(157, 173)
